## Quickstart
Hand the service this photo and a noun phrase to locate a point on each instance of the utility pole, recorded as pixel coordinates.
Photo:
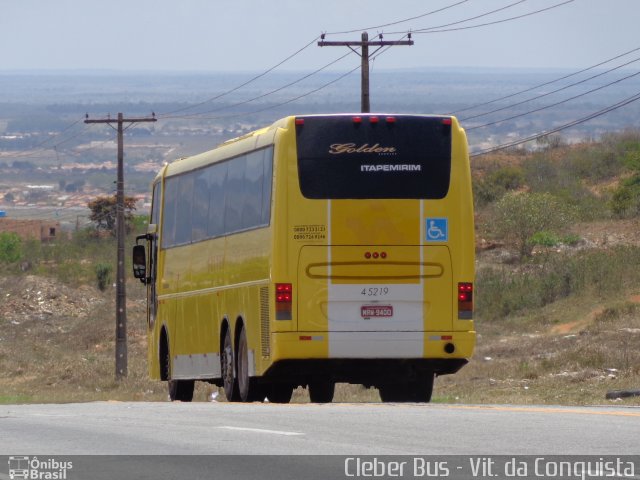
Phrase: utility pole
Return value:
(365, 55)
(121, 292)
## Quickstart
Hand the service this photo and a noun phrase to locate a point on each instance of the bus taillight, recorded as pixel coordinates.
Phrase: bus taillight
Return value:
(465, 300)
(284, 301)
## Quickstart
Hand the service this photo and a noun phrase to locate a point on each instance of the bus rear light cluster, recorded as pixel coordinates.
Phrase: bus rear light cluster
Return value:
(376, 255)
(372, 119)
(284, 301)
(283, 292)
(465, 300)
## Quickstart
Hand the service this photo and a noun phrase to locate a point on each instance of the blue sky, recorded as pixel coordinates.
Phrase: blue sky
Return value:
(252, 35)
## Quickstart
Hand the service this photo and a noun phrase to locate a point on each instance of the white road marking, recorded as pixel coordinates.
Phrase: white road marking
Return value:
(260, 430)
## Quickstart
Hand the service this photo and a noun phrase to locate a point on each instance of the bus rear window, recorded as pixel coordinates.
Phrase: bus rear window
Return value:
(339, 158)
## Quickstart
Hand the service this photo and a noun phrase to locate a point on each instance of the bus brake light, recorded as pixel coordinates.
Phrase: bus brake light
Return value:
(373, 119)
(284, 301)
(357, 120)
(283, 292)
(465, 300)
(391, 119)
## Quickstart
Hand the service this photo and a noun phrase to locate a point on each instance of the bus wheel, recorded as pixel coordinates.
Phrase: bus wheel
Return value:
(321, 391)
(230, 384)
(248, 388)
(413, 391)
(280, 393)
(181, 390)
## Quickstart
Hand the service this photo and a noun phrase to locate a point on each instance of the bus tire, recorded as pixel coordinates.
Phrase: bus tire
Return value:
(280, 393)
(181, 390)
(321, 391)
(248, 388)
(411, 391)
(229, 381)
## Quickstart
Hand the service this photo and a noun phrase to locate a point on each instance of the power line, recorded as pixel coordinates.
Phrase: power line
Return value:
(555, 104)
(537, 97)
(565, 126)
(504, 20)
(244, 102)
(291, 100)
(489, 102)
(405, 20)
(242, 85)
(491, 12)
(34, 150)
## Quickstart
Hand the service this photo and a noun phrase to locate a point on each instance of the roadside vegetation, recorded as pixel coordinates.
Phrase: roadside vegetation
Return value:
(557, 303)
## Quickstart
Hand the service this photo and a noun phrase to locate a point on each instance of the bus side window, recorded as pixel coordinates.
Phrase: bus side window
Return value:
(235, 195)
(183, 212)
(252, 187)
(267, 160)
(200, 209)
(169, 216)
(217, 182)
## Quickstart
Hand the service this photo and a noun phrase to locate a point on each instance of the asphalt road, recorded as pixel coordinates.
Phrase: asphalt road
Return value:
(115, 428)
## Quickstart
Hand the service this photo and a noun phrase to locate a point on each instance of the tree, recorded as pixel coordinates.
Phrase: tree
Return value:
(104, 212)
(519, 216)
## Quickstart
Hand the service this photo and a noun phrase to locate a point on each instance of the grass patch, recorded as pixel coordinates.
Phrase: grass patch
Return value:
(507, 290)
(14, 399)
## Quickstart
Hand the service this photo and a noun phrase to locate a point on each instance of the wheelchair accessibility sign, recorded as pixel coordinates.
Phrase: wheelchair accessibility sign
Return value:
(437, 229)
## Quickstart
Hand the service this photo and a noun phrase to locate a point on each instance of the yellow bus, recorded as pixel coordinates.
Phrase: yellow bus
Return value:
(321, 249)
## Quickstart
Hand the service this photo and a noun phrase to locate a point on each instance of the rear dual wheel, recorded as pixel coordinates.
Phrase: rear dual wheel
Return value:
(238, 385)
(321, 391)
(249, 390)
(418, 391)
(181, 390)
(279, 392)
(228, 371)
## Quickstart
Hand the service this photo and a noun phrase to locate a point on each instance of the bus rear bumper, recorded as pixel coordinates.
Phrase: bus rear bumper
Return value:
(357, 357)
(369, 372)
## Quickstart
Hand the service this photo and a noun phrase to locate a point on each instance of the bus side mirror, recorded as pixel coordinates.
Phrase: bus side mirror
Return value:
(139, 263)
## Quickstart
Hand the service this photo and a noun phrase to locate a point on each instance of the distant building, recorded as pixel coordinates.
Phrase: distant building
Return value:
(43, 230)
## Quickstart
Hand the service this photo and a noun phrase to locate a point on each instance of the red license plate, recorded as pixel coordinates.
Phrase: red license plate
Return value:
(376, 311)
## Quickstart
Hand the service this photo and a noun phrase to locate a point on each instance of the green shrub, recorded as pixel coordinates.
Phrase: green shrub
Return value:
(557, 177)
(519, 216)
(545, 239)
(10, 247)
(624, 201)
(496, 183)
(103, 275)
(550, 239)
(595, 163)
